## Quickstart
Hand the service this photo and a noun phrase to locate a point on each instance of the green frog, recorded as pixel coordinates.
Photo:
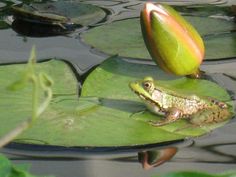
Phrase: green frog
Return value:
(174, 105)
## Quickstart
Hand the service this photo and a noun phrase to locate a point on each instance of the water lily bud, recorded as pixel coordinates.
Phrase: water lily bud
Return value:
(172, 42)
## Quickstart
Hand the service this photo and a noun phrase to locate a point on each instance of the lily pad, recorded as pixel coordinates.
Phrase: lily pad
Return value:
(206, 10)
(57, 12)
(125, 38)
(16, 106)
(107, 114)
(222, 46)
(111, 80)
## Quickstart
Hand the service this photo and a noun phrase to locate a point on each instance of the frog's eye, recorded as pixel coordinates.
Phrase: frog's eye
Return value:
(147, 85)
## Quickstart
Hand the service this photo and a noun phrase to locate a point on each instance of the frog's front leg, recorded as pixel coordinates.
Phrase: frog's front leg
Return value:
(171, 115)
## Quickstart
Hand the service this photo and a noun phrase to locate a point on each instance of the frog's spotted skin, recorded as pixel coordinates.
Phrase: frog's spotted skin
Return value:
(174, 105)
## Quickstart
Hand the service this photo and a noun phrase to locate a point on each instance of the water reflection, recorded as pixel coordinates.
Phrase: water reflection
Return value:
(192, 152)
(150, 159)
(26, 28)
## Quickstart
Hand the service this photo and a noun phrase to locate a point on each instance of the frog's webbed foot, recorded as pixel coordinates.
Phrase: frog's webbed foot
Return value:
(171, 116)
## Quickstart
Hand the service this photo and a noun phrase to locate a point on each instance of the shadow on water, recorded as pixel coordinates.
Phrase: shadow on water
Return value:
(30, 29)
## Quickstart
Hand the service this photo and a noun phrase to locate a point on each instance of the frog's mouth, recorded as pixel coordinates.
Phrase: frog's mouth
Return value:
(142, 96)
(151, 104)
(146, 99)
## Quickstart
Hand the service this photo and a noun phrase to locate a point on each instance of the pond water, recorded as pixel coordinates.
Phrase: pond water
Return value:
(214, 152)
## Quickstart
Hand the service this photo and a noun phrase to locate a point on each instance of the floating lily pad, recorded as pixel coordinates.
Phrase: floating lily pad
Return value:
(222, 46)
(125, 38)
(57, 12)
(206, 10)
(16, 106)
(107, 114)
(111, 80)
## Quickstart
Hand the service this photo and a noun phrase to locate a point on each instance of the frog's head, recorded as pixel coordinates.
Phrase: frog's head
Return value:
(147, 92)
(143, 88)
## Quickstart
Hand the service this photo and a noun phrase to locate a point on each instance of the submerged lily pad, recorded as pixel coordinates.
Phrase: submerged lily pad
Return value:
(107, 114)
(125, 38)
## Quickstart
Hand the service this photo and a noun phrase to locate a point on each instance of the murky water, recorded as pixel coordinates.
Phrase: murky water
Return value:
(214, 152)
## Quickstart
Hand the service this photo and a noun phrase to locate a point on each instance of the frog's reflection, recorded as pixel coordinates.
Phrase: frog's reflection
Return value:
(154, 158)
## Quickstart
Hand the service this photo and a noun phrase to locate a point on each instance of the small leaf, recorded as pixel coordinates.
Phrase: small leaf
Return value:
(5, 166)
(18, 85)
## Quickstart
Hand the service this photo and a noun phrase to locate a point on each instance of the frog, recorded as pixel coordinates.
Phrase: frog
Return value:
(175, 104)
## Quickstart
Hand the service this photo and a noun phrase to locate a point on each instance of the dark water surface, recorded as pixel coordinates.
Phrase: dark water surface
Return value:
(215, 152)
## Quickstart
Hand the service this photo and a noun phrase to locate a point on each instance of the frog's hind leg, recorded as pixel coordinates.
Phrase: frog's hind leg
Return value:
(207, 117)
(210, 116)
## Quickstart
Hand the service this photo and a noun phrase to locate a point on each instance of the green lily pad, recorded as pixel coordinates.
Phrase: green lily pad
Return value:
(125, 38)
(111, 80)
(107, 114)
(16, 106)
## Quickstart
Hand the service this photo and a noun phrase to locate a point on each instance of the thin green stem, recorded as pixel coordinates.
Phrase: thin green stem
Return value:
(35, 99)
(14, 133)
(44, 105)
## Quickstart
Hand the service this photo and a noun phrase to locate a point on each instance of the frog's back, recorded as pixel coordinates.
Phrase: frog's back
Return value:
(187, 105)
